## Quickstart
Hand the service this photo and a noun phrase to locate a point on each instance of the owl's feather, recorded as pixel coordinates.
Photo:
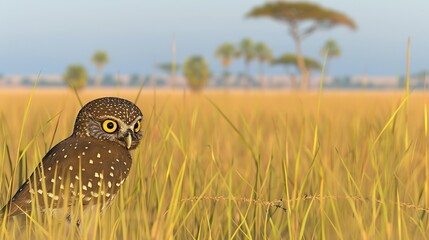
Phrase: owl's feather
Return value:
(60, 174)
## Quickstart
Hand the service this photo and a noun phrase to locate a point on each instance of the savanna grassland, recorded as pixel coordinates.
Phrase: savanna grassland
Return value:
(241, 165)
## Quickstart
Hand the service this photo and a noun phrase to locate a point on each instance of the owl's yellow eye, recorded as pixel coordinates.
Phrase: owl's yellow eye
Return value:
(109, 126)
(137, 126)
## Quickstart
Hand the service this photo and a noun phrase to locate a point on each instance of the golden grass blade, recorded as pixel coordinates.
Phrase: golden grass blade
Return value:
(304, 220)
(391, 119)
(319, 103)
(21, 135)
(407, 92)
(236, 130)
(33, 139)
(407, 72)
(140, 90)
(425, 106)
(55, 131)
(77, 96)
(196, 201)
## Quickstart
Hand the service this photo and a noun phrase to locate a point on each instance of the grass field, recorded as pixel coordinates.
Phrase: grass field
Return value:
(269, 165)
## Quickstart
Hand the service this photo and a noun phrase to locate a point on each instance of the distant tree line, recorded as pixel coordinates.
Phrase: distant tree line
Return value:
(197, 72)
(417, 81)
(76, 75)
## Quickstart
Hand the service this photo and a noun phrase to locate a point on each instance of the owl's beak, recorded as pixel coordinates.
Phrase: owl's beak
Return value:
(128, 140)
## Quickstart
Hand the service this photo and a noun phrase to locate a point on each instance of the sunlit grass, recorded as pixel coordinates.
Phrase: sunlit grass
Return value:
(240, 165)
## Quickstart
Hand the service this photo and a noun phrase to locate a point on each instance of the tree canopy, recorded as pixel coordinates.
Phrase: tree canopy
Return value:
(225, 52)
(263, 52)
(100, 58)
(196, 72)
(76, 76)
(330, 49)
(246, 50)
(294, 12)
(290, 59)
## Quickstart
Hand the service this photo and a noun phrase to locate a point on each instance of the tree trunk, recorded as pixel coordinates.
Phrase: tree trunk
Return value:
(246, 77)
(262, 75)
(98, 78)
(300, 58)
(225, 76)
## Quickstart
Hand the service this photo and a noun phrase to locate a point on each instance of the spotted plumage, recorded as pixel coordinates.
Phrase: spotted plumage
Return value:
(92, 164)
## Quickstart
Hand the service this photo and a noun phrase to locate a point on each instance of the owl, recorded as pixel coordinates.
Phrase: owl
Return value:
(90, 166)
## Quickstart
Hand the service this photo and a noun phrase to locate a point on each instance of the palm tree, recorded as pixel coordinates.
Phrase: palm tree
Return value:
(76, 76)
(263, 54)
(100, 59)
(246, 50)
(298, 14)
(225, 52)
(330, 50)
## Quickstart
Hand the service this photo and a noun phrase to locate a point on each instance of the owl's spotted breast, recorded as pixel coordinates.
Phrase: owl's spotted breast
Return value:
(77, 167)
(90, 165)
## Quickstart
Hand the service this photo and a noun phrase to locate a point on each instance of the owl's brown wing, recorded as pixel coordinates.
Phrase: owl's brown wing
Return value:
(76, 167)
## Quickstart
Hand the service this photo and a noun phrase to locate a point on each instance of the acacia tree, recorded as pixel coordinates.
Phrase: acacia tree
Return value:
(294, 14)
(100, 59)
(331, 50)
(263, 54)
(225, 52)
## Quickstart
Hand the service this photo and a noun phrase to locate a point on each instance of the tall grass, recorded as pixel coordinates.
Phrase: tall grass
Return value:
(241, 165)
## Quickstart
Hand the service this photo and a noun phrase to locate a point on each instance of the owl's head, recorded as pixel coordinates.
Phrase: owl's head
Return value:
(111, 119)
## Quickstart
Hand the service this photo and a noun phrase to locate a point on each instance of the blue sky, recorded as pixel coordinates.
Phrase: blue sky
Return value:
(48, 35)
